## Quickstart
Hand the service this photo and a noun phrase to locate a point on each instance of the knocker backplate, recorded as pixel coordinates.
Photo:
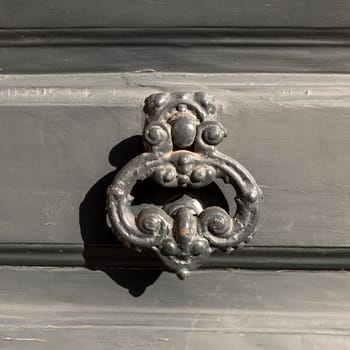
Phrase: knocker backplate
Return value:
(180, 135)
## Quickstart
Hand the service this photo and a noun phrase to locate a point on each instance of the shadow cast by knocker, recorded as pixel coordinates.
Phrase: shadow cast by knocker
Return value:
(97, 236)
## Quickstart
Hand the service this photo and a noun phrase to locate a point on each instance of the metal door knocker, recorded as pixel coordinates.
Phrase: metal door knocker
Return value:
(180, 137)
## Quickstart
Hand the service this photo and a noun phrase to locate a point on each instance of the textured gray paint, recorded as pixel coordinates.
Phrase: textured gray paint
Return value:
(176, 58)
(200, 13)
(57, 132)
(52, 308)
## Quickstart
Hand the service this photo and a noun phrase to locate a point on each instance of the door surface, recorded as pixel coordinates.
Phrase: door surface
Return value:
(74, 77)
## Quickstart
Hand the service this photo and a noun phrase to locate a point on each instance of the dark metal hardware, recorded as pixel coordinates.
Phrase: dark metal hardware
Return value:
(180, 137)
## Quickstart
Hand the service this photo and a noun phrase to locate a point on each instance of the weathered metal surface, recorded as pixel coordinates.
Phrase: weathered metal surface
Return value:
(180, 135)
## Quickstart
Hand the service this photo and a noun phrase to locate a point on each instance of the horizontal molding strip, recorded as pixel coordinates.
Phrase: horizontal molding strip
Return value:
(180, 37)
(185, 50)
(100, 255)
(121, 89)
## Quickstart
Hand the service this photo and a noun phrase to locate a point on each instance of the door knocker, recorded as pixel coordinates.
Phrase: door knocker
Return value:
(180, 135)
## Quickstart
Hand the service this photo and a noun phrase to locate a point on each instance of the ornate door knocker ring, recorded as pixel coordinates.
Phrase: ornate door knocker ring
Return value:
(181, 133)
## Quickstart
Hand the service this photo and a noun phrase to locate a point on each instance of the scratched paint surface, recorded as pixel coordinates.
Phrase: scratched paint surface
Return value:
(57, 135)
(45, 308)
